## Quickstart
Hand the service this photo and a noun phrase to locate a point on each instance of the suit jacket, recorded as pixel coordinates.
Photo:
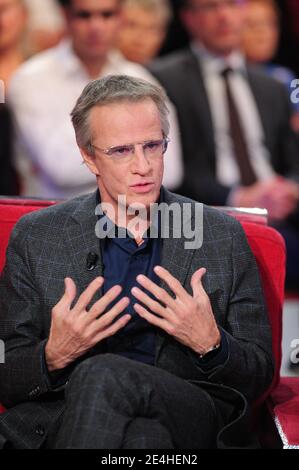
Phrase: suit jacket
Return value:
(181, 76)
(48, 245)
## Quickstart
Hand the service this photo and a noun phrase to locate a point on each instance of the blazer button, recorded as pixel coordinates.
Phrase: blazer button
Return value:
(40, 430)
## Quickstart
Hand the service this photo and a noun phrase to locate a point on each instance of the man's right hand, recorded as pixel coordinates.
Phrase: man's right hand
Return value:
(278, 195)
(76, 330)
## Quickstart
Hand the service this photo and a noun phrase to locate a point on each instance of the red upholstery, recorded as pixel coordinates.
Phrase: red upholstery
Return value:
(284, 405)
(10, 211)
(269, 250)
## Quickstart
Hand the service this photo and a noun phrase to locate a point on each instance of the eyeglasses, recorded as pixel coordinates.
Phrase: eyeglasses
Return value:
(151, 149)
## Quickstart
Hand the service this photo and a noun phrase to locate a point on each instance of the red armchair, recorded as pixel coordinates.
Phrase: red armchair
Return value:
(282, 398)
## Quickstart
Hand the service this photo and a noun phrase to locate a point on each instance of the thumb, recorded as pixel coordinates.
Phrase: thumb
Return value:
(196, 281)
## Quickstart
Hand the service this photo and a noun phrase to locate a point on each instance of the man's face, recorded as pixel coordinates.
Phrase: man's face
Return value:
(12, 23)
(93, 26)
(261, 32)
(216, 23)
(138, 178)
(142, 34)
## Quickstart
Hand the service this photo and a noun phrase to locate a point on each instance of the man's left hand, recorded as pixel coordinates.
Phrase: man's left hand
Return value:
(187, 318)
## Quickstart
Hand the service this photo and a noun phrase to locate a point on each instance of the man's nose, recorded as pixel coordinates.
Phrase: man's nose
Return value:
(140, 163)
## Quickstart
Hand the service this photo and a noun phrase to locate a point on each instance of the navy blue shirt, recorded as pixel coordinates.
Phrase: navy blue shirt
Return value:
(123, 261)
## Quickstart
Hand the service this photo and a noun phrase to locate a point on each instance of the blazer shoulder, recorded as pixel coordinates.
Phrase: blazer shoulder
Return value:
(259, 76)
(174, 61)
(48, 219)
(211, 215)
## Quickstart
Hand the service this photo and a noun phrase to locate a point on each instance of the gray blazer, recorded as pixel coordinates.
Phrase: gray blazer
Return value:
(181, 76)
(48, 245)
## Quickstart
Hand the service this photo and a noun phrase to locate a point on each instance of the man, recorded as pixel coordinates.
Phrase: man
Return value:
(125, 341)
(238, 145)
(144, 30)
(48, 155)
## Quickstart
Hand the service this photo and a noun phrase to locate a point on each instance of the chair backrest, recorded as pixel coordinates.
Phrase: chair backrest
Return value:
(266, 243)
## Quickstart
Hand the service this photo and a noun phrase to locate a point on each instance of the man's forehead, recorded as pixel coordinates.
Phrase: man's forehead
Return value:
(95, 4)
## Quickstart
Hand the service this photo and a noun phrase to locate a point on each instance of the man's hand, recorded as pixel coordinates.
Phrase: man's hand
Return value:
(75, 330)
(278, 195)
(187, 318)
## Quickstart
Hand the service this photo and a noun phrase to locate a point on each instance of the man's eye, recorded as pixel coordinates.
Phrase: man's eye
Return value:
(106, 14)
(152, 146)
(121, 151)
(82, 15)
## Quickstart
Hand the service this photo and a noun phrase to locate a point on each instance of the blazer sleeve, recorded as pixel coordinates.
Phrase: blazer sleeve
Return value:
(23, 376)
(249, 364)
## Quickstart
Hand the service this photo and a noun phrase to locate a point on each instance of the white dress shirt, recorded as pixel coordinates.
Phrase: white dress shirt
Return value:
(227, 170)
(42, 95)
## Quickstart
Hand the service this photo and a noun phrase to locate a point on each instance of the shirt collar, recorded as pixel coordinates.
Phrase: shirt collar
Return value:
(73, 65)
(213, 63)
(154, 229)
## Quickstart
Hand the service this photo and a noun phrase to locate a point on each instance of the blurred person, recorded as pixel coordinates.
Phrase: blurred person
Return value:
(46, 25)
(13, 19)
(238, 145)
(48, 156)
(144, 29)
(130, 338)
(260, 40)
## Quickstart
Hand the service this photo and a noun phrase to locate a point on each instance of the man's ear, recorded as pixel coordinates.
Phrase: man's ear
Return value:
(89, 161)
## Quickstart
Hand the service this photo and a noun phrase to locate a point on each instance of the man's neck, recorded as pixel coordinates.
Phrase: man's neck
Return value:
(92, 66)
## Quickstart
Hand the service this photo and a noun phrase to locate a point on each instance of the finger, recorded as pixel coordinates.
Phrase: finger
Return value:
(108, 317)
(87, 296)
(100, 306)
(69, 295)
(156, 321)
(154, 306)
(171, 281)
(157, 291)
(196, 281)
(114, 328)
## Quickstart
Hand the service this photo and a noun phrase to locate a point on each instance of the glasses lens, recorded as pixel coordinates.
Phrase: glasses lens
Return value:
(121, 152)
(155, 148)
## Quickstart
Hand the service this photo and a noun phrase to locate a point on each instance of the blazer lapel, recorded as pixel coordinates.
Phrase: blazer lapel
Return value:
(175, 258)
(81, 240)
(258, 91)
(198, 95)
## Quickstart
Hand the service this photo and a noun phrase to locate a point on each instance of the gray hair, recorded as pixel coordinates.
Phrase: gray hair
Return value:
(113, 89)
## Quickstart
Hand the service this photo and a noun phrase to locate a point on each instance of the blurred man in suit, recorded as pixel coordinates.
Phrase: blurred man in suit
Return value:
(117, 333)
(238, 145)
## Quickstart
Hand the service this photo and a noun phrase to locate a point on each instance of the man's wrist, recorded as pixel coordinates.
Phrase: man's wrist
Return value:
(209, 350)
